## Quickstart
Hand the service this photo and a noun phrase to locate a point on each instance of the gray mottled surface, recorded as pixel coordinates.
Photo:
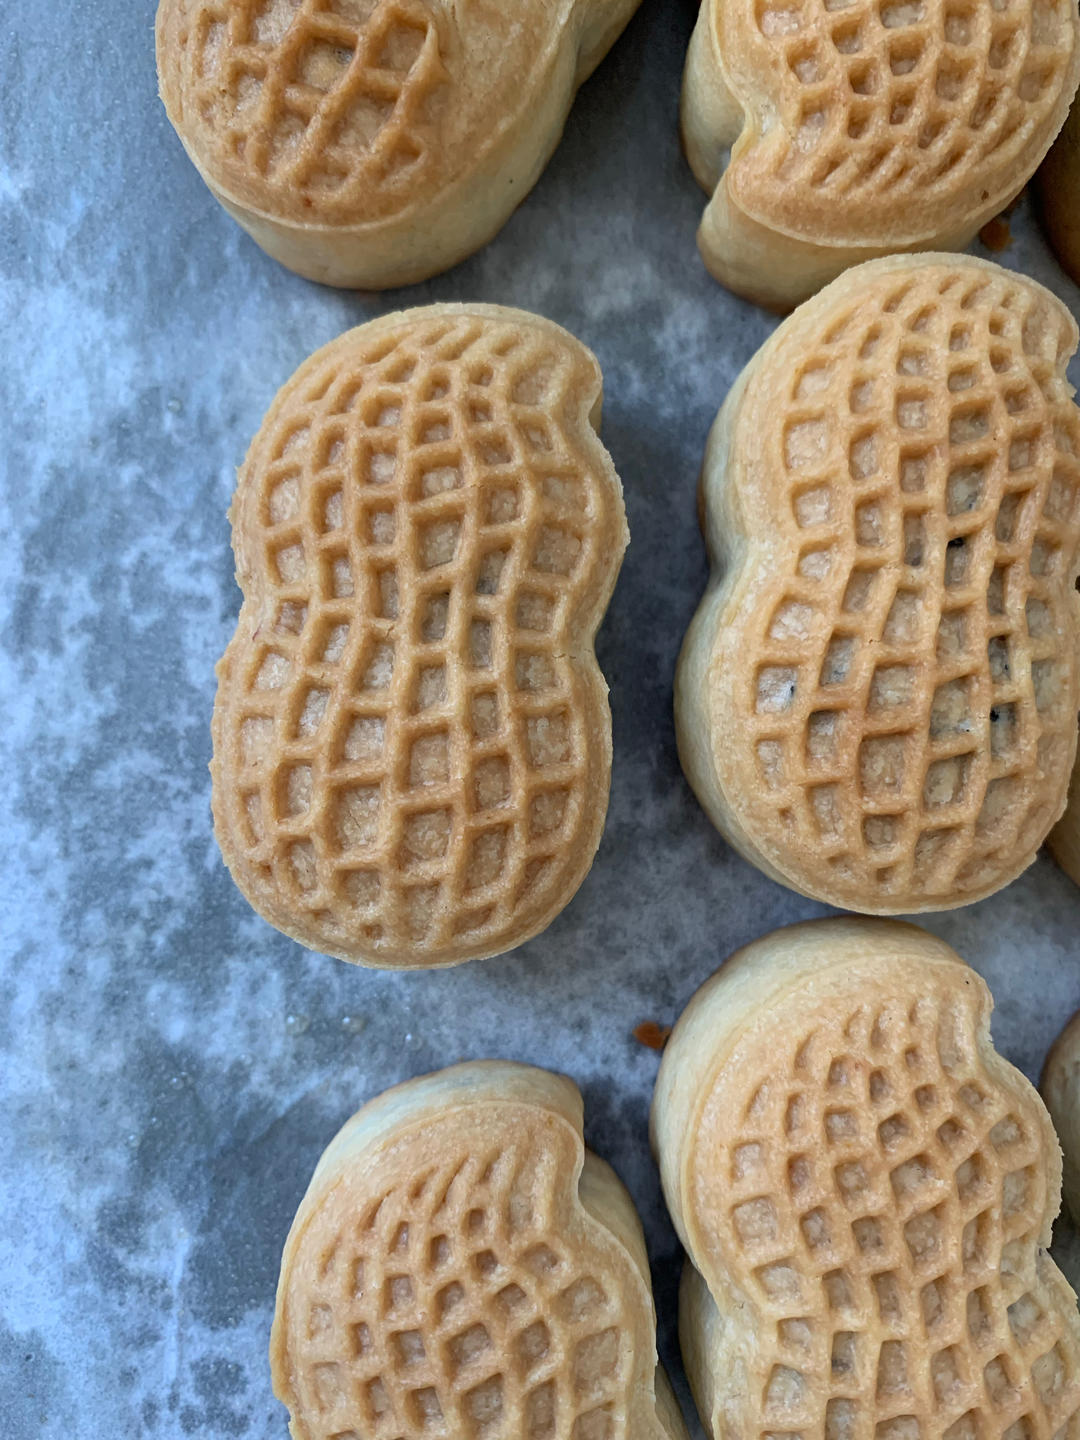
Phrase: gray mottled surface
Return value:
(170, 1066)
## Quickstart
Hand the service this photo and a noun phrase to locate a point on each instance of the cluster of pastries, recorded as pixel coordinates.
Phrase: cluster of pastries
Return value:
(875, 703)
(864, 1187)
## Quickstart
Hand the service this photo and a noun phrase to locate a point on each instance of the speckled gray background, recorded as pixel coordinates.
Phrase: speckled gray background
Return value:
(171, 1066)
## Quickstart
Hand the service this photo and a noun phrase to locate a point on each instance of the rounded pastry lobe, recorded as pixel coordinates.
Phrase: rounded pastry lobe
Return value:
(873, 126)
(1065, 836)
(876, 701)
(866, 1190)
(1060, 1086)
(445, 1274)
(412, 743)
(309, 112)
(352, 138)
(1058, 186)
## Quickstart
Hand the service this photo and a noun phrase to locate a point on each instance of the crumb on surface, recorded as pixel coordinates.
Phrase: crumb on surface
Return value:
(996, 234)
(651, 1034)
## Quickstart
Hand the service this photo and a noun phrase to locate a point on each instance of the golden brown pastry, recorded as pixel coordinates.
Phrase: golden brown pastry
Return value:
(462, 1266)
(412, 741)
(1065, 836)
(876, 700)
(1059, 190)
(1060, 1086)
(373, 143)
(861, 129)
(865, 1189)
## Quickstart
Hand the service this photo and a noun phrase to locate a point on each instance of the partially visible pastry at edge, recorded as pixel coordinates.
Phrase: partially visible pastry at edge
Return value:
(876, 699)
(865, 1189)
(1065, 836)
(861, 129)
(372, 143)
(462, 1266)
(1060, 1086)
(412, 740)
(1058, 183)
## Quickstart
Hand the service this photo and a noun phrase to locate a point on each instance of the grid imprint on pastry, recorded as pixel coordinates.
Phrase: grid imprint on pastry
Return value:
(413, 740)
(884, 100)
(885, 1206)
(329, 95)
(453, 1309)
(913, 702)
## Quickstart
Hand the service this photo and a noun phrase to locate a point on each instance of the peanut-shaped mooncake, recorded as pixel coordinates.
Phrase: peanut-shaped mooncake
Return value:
(373, 143)
(462, 1266)
(828, 134)
(412, 741)
(876, 700)
(865, 1189)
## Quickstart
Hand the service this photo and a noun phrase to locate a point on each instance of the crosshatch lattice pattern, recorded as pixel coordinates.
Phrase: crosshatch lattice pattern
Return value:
(329, 99)
(942, 104)
(454, 1307)
(426, 531)
(912, 707)
(886, 1202)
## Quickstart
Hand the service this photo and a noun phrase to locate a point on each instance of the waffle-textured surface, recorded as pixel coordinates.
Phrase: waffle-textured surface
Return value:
(443, 1276)
(366, 116)
(339, 109)
(412, 743)
(890, 111)
(866, 1190)
(876, 701)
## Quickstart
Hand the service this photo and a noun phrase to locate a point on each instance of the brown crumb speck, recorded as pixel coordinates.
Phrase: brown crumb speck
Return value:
(651, 1034)
(996, 234)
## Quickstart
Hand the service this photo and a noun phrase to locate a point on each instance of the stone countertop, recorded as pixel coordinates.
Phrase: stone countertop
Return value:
(172, 1067)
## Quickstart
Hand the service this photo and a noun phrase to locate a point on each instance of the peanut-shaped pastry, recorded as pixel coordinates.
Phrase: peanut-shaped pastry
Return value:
(462, 1266)
(876, 700)
(865, 128)
(865, 1189)
(373, 143)
(412, 741)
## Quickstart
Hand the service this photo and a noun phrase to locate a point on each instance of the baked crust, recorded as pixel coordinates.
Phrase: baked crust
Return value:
(1060, 1086)
(461, 1264)
(373, 143)
(412, 741)
(876, 700)
(1058, 184)
(865, 1190)
(1065, 836)
(866, 129)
